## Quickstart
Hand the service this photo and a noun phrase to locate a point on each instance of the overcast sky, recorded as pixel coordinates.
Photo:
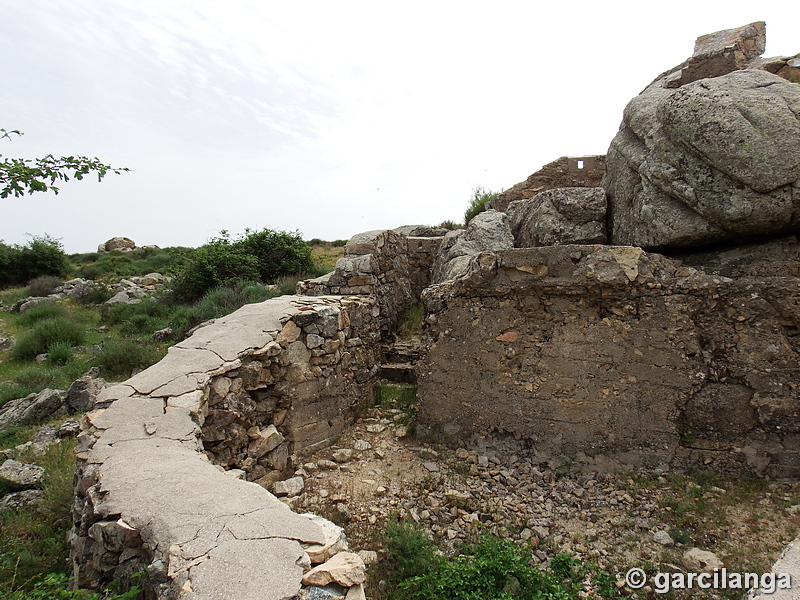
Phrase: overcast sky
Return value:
(326, 117)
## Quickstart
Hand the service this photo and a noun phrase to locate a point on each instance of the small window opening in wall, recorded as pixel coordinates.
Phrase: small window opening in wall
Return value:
(580, 164)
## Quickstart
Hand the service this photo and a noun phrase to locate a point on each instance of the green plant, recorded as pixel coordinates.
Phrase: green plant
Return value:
(41, 256)
(477, 204)
(42, 312)
(411, 552)
(256, 256)
(411, 324)
(397, 395)
(119, 358)
(493, 568)
(216, 264)
(45, 333)
(22, 175)
(33, 540)
(59, 353)
(277, 252)
(43, 285)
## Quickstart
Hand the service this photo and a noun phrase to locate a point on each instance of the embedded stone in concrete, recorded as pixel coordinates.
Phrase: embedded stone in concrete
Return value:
(346, 568)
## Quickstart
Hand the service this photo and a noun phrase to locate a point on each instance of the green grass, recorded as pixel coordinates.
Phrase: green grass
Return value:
(402, 396)
(411, 324)
(33, 541)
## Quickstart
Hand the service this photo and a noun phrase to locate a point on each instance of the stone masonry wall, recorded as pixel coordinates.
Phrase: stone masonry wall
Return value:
(380, 263)
(613, 358)
(165, 476)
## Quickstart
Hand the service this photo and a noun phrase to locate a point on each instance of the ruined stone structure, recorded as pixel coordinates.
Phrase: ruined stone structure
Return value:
(615, 359)
(608, 356)
(164, 472)
(567, 171)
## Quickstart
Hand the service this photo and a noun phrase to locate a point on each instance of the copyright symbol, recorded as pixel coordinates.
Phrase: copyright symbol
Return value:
(636, 578)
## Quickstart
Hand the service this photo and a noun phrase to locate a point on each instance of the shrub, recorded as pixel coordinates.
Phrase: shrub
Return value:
(338, 243)
(92, 293)
(277, 252)
(257, 256)
(44, 333)
(411, 552)
(59, 353)
(450, 225)
(44, 285)
(41, 256)
(36, 378)
(218, 263)
(40, 313)
(493, 568)
(119, 358)
(477, 203)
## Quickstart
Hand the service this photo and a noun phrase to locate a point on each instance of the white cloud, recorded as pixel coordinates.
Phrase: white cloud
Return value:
(326, 117)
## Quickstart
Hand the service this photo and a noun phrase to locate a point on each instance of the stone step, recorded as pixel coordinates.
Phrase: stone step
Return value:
(399, 372)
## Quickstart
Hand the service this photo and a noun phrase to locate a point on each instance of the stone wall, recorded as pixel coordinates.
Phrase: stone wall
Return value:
(165, 476)
(382, 263)
(614, 358)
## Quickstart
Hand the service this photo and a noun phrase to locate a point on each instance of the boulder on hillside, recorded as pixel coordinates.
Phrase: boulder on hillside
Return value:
(488, 231)
(559, 216)
(20, 476)
(713, 160)
(32, 408)
(83, 391)
(117, 243)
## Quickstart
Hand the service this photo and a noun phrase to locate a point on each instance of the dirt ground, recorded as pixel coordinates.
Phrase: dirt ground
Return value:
(617, 521)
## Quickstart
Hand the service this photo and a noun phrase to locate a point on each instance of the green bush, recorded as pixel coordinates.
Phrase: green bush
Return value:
(217, 303)
(277, 252)
(43, 255)
(46, 332)
(36, 378)
(493, 568)
(44, 285)
(339, 243)
(119, 358)
(59, 353)
(477, 203)
(40, 313)
(215, 264)
(257, 256)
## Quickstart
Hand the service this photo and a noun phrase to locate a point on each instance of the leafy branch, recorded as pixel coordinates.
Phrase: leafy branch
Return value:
(21, 175)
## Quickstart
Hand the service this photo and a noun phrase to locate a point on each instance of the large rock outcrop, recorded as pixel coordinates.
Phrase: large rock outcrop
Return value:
(559, 216)
(489, 230)
(715, 159)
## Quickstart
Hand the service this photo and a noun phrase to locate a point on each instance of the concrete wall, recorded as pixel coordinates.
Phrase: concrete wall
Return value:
(612, 357)
(161, 482)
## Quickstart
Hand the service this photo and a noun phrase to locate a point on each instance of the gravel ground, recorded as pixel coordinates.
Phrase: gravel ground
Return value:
(618, 521)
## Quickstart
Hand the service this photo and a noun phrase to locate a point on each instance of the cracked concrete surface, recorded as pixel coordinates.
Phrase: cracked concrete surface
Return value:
(215, 535)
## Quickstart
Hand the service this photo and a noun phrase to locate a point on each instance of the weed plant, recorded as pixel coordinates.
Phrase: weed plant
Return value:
(493, 568)
(411, 324)
(120, 358)
(45, 333)
(33, 541)
(44, 285)
(477, 204)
